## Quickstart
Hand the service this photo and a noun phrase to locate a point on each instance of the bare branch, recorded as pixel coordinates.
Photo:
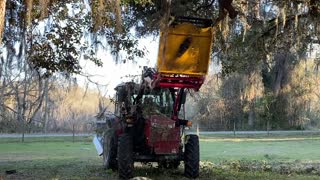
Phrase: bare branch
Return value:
(205, 6)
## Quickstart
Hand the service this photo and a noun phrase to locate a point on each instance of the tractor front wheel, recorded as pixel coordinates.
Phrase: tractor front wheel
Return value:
(125, 156)
(191, 156)
(110, 152)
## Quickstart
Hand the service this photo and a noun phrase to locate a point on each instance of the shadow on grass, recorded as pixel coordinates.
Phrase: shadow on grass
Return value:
(92, 169)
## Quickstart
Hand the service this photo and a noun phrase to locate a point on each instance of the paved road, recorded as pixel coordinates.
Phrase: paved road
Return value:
(255, 132)
(201, 133)
(42, 135)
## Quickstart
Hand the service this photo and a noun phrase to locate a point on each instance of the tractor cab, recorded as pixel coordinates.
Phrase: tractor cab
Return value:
(132, 98)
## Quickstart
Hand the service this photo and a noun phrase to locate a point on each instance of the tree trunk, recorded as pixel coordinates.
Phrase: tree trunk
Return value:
(268, 127)
(251, 116)
(118, 16)
(46, 108)
(2, 17)
(73, 132)
(73, 124)
(281, 68)
(2, 89)
(19, 112)
(23, 131)
(23, 100)
(234, 127)
(33, 109)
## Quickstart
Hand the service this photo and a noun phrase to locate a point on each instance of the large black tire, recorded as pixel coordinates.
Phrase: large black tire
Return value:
(191, 156)
(110, 152)
(125, 156)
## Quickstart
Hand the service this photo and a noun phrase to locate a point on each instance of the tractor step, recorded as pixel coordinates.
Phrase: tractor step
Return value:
(156, 158)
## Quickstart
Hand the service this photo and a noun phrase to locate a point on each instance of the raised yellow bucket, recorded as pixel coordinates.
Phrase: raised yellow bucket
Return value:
(185, 49)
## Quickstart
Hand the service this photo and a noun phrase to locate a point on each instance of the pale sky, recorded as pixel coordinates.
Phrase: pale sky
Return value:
(114, 74)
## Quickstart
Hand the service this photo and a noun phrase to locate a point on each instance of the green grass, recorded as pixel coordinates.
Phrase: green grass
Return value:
(59, 158)
(49, 150)
(288, 151)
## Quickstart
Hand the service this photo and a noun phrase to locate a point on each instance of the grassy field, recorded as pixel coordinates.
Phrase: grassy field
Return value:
(227, 157)
(284, 151)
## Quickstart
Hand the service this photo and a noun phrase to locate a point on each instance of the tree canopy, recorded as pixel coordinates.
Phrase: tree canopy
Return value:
(109, 23)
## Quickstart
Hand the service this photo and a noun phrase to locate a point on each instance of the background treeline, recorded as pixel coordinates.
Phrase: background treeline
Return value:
(286, 97)
(48, 105)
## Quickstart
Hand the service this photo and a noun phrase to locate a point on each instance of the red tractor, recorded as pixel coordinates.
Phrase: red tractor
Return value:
(147, 125)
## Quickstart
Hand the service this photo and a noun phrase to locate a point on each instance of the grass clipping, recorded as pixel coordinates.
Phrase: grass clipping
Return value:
(286, 168)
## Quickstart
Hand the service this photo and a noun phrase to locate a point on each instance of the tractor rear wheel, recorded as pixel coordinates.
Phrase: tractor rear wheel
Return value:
(191, 156)
(125, 156)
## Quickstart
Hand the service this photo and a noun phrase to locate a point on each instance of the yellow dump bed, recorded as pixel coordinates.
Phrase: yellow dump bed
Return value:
(185, 49)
